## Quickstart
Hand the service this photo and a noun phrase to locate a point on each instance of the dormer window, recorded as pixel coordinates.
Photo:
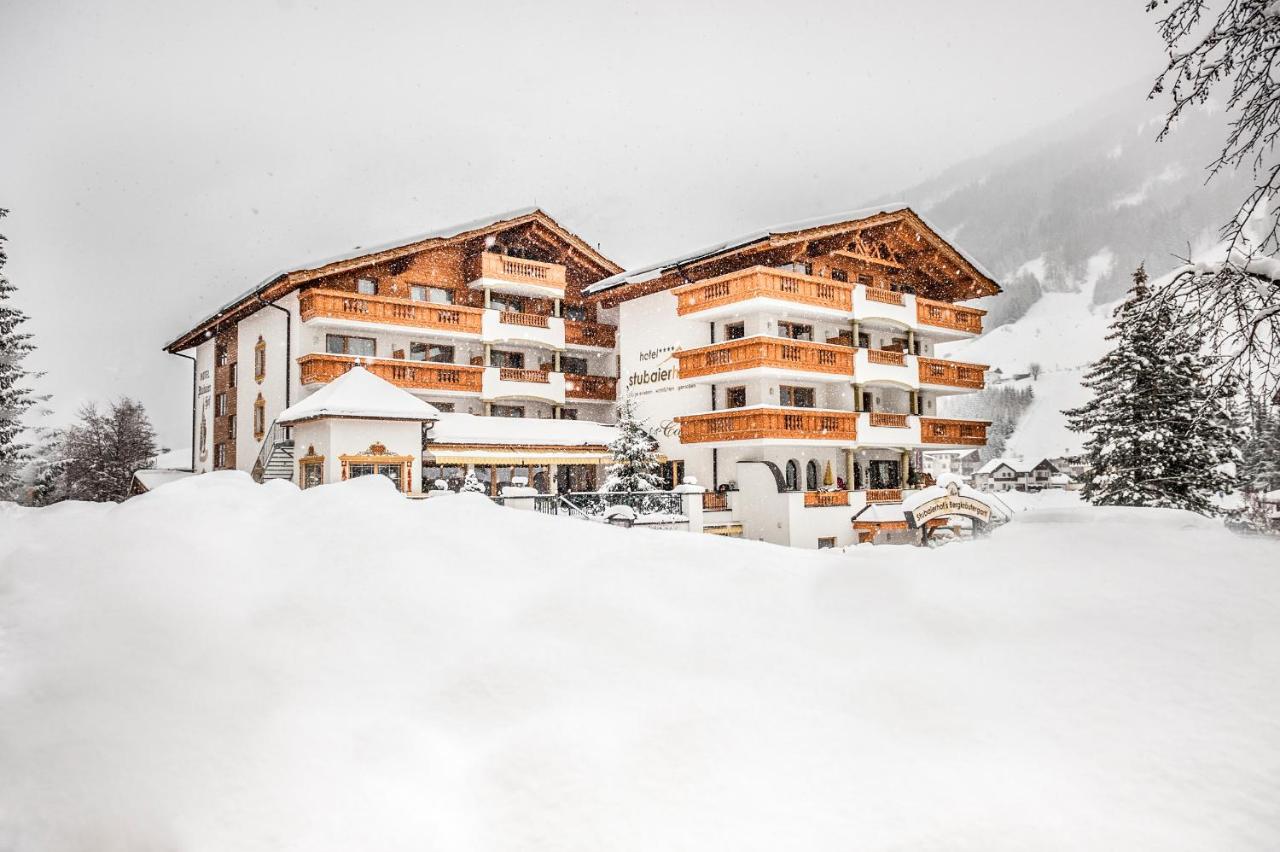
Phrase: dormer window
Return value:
(367, 286)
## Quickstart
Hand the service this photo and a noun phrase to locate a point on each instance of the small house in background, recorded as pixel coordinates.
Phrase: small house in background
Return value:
(1017, 475)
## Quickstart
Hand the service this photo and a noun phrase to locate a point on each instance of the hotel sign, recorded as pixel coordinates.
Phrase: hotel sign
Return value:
(951, 503)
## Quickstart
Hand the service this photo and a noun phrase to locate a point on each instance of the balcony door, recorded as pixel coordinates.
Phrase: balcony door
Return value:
(884, 474)
(509, 360)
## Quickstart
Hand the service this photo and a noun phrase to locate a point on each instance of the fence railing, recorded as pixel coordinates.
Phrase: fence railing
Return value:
(337, 304)
(935, 371)
(779, 353)
(583, 333)
(764, 282)
(519, 270)
(947, 315)
(746, 424)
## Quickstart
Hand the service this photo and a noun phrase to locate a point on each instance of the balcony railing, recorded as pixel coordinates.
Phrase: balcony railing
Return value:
(884, 495)
(934, 430)
(947, 315)
(888, 297)
(885, 418)
(521, 271)
(715, 501)
(513, 374)
(886, 357)
(751, 352)
(336, 304)
(747, 424)
(826, 498)
(952, 373)
(527, 320)
(579, 386)
(581, 333)
(763, 282)
(426, 375)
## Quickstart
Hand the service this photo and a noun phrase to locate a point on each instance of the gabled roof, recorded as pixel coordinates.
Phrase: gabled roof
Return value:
(790, 232)
(1016, 465)
(360, 394)
(283, 282)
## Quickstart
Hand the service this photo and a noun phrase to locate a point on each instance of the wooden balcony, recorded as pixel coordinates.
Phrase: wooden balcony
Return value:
(778, 353)
(337, 304)
(526, 320)
(520, 271)
(934, 430)
(749, 424)
(887, 357)
(954, 374)
(580, 333)
(513, 374)
(425, 375)
(813, 499)
(884, 296)
(578, 386)
(715, 501)
(886, 418)
(764, 282)
(884, 495)
(947, 315)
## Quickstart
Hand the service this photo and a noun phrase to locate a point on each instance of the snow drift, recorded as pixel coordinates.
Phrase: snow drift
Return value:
(219, 665)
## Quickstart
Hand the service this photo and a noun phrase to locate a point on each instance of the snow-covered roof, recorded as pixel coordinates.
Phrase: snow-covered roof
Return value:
(152, 478)
(1016, 465)
(359, 393)
(881, 513)
(641, 274)
(457, 428)
(1271, 496)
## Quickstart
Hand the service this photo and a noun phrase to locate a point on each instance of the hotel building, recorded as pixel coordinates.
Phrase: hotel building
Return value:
(794, 370)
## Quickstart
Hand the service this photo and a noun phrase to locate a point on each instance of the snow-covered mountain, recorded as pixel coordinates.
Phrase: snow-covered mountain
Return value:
(1062, 218)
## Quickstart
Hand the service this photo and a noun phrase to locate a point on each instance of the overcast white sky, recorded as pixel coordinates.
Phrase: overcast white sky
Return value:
(159, 158)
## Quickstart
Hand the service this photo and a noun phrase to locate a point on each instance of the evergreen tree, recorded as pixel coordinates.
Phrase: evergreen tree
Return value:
(1260, 463)
(634, 465)
(102, 451)
(1159, 434)
(473, 485)
(16, 395)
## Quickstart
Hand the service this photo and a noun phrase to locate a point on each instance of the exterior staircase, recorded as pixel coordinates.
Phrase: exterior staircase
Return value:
(275, 461)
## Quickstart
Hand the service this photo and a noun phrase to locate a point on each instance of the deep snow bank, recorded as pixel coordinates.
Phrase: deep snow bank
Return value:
(218, 665)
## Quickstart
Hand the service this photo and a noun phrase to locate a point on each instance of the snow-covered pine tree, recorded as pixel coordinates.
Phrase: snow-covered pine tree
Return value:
(473, 485)
(634, 462)
(1159, 434)
(102, 451)
(1260, 463)
(16, 394)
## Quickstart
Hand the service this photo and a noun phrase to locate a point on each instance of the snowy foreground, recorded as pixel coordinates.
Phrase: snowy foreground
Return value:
(224, 666)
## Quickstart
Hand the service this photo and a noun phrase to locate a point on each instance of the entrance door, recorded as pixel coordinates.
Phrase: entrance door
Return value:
(884, 474)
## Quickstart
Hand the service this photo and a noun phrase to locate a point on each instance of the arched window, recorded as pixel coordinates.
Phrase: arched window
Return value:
(793, 475)
(260, 360)
(811, 476)
(259, 417)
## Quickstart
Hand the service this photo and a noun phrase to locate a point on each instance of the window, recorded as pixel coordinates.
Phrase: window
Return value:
(506, 303)
(220, 456)
(260, 360)
(510, 360)
(866, 280)
(735, 330)
(735, 397)
(568, 414)
(434, 295)
(443, 406)
(231, 429)
(795, 330)
(826, 543)
(344, 344)
(796, 397)
(838, 275)
(220, 405)
(221, 354)
(391, 470)
(799, 268)
(312, 472)
(259, 417)
(231, 376)
(577, 313)
(435, 352)
(506, 411)
(367, 286)
(452, 474)
(573, 364)
(811, 476)
(793, 475)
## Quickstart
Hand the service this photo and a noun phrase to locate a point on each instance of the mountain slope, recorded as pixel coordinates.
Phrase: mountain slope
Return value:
(1062, 218)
